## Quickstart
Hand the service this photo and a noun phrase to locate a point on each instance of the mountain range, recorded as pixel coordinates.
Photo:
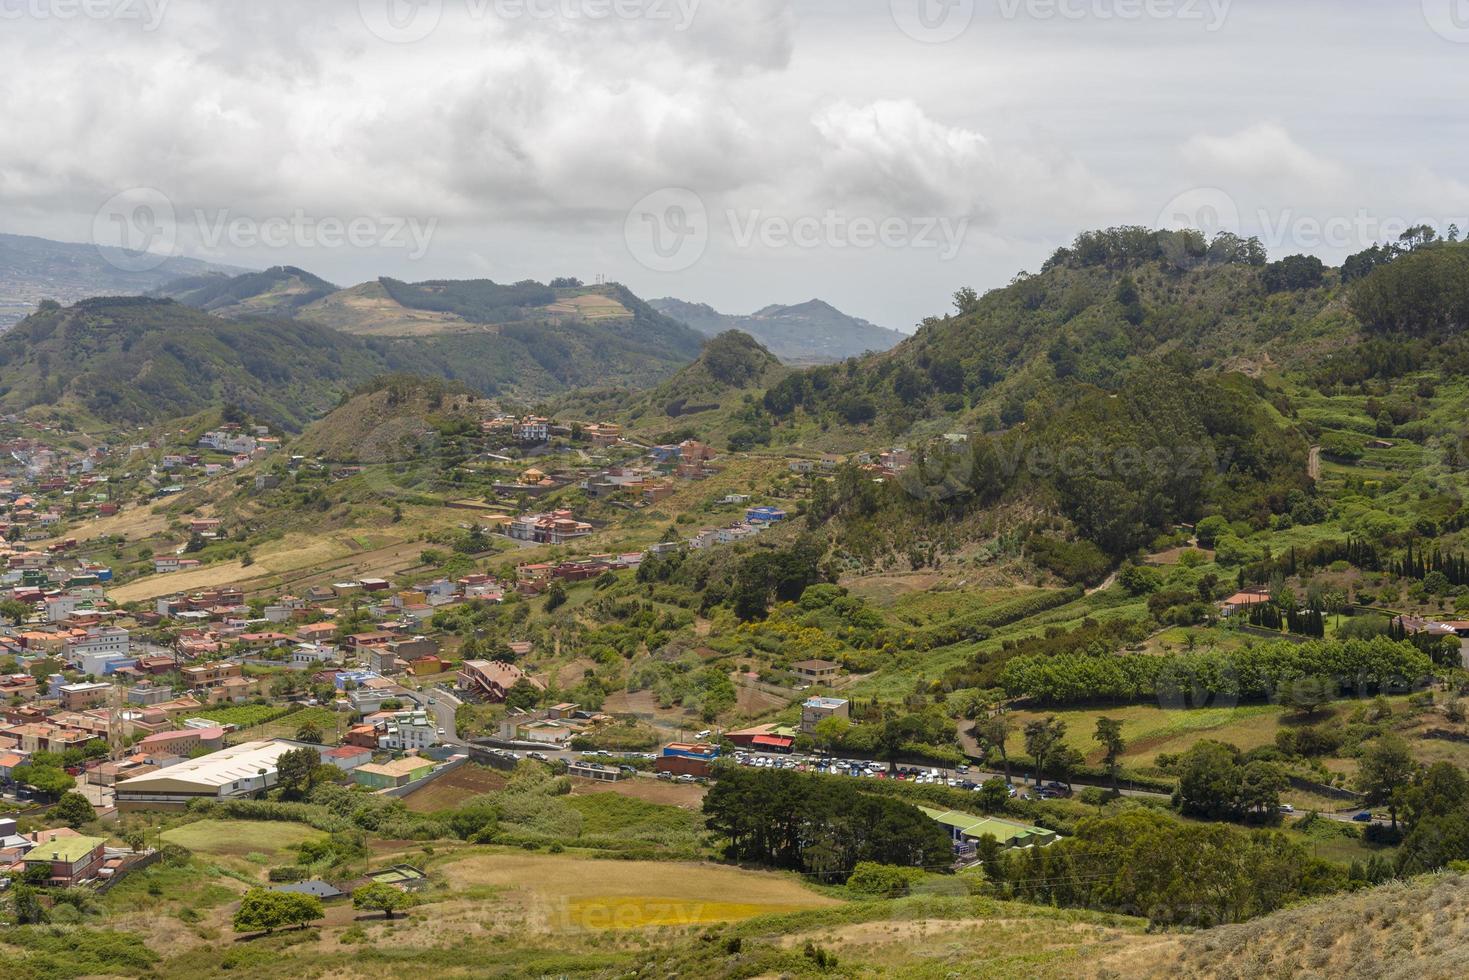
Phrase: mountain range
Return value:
(36, 269)
(813, 332)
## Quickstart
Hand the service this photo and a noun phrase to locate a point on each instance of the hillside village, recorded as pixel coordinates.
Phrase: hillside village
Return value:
(434, 632)
(1062, 572)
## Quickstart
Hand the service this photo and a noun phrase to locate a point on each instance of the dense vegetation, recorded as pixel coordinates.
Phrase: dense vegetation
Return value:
(1363, 667)
(140, 360)
(821, 826)
(278, 291)
(476, 300)
(1172, 873)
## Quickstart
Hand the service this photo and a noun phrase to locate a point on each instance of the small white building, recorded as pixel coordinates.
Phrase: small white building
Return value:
(408, 731)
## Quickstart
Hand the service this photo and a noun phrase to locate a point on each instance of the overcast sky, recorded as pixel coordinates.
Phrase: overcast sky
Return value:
(875, 153)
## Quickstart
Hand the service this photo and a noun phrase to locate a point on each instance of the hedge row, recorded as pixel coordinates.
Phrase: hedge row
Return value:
(1359, 667)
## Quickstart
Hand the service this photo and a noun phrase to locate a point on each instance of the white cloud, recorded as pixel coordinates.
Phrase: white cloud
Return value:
(1264, 152)
(527, 139)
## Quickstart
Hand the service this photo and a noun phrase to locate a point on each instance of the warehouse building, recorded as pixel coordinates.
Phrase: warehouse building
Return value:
(234, 773)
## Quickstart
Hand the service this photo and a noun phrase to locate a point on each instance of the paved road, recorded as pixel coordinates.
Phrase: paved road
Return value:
(443, 706)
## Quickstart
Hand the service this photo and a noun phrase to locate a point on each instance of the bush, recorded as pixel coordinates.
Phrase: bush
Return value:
(882, 880)
(1074, 561)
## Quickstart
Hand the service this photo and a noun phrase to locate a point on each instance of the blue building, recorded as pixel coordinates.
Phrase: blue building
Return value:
(682, 750)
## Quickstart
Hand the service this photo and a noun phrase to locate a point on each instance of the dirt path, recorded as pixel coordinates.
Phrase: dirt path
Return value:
(1313, 464)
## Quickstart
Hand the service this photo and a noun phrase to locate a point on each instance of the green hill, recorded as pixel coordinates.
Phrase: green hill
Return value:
(527, 340)
(717, 394)
(275, 292)
(1096, 311)
(275, 343)
(135, 360)
(388, 419)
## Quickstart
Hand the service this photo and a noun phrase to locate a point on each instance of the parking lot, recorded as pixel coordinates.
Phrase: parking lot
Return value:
(961, 777)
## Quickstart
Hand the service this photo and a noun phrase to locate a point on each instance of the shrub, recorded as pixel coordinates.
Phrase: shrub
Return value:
(882, 880)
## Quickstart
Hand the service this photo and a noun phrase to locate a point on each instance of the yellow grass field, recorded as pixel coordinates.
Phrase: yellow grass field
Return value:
(592, 307)
(563, 893)
(153, 586)
(295, 561)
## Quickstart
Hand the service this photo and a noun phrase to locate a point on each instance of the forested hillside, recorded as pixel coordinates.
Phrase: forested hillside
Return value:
(275, 292)
(528, 340)
(138, 360)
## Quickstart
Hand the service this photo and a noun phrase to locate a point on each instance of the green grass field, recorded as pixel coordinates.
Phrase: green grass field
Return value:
(233, 841)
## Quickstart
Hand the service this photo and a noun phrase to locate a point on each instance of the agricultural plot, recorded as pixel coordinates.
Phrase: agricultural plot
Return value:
(453, 788)
(248, 844)
(569, 893)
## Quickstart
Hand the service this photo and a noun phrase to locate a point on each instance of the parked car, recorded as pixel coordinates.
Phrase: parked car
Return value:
(665, 775)
(1363, 817)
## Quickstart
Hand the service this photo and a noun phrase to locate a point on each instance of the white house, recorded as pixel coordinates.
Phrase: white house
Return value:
(408, 731)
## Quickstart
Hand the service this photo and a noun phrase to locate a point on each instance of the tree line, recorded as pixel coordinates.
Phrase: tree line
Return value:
(1363, 667)
(1148, 864)
(819, 826)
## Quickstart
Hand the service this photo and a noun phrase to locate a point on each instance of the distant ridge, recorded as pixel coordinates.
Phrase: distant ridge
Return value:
(35, 269)
(814, 332)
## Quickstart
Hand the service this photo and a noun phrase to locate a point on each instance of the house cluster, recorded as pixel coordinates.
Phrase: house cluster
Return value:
(229, 448)
(884, 465)
(1414, 625)
(557, 726)
(653, 479)
(41, 488)
(533, 430)
(642, 482)
(58, 587)
(688, 460)
(757, 519)
(533, 579)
